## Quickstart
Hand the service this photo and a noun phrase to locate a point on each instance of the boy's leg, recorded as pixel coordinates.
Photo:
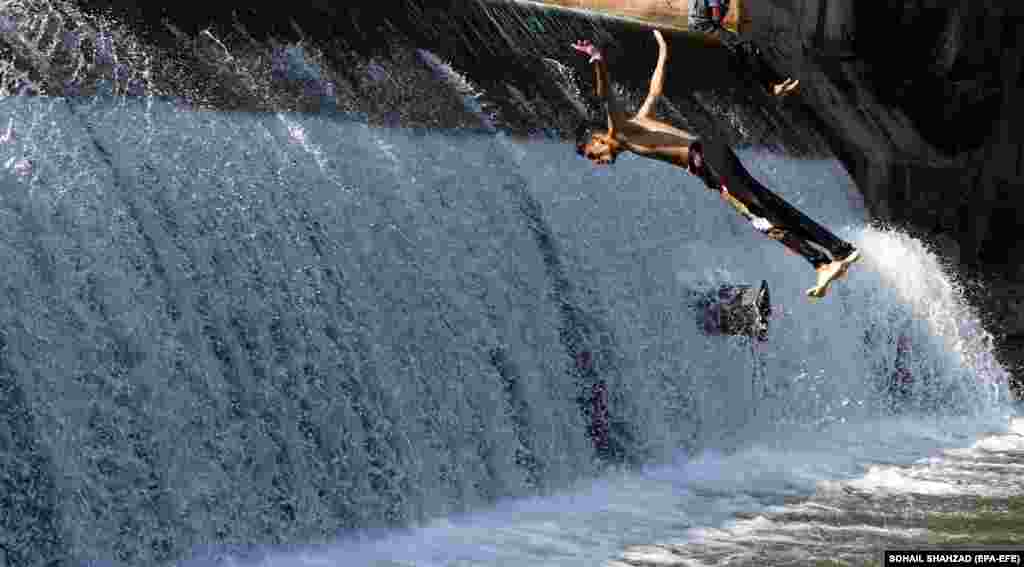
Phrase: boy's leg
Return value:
(815, 254)
(829, 264)
(787, 217)
(764, 203)
(830, 255)
(766, 75)
(748, 58)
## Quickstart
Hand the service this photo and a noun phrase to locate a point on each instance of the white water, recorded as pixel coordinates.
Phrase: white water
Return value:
(853, 519)
(690, 501)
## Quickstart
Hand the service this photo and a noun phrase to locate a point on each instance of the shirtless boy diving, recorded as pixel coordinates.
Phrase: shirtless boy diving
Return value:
(716, 165)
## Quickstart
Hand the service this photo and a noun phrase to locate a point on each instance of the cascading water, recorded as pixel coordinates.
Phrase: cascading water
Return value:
(224, 331)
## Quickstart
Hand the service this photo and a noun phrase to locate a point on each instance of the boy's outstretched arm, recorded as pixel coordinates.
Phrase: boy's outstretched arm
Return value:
(657, 79)
(616, 118)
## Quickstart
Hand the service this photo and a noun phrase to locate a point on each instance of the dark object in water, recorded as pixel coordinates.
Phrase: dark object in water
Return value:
(735, 310)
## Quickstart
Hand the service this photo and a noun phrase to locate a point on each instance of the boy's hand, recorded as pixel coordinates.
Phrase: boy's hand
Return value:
(584, 46)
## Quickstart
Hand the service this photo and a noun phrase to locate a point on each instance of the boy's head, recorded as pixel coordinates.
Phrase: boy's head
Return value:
(594, 143)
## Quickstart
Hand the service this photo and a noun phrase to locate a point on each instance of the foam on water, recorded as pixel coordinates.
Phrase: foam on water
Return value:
(685, 503)
(853, 519)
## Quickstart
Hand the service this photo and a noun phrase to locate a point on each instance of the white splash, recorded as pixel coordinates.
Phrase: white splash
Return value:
(919, 280)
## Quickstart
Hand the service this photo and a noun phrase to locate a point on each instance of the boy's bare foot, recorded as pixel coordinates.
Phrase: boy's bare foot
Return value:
(831, 272)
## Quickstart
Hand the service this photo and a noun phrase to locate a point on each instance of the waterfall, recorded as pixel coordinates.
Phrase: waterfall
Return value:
(227, 330)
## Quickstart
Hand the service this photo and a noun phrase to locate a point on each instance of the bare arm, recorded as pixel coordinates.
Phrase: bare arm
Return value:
(657, 79)
(616, 118)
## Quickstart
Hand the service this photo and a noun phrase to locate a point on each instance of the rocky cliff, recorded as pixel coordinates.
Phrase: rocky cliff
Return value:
(918, 99)
(915, 99)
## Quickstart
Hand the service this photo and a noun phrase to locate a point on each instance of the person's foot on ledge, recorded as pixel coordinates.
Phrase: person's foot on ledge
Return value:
(785, 87)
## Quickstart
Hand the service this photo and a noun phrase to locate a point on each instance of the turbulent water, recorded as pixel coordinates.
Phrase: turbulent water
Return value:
(295, 339)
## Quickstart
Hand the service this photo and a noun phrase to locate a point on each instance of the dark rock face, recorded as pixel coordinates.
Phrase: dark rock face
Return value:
(916, 99)
(919, 102)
